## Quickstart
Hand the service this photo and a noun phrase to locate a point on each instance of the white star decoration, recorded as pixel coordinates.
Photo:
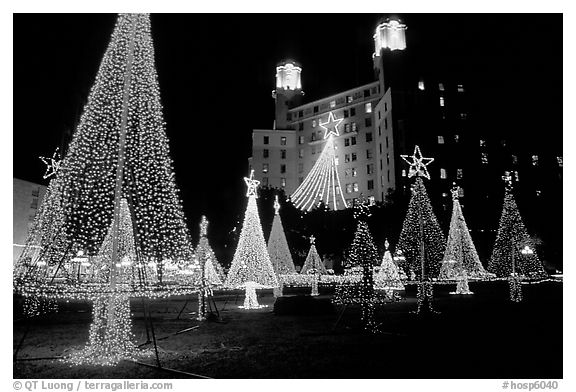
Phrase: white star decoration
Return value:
(276, 205)
(52, 164)
(252, 184)
(455, 191)
(203, 226)
(418, 163)
(312, 240)
(331, 126)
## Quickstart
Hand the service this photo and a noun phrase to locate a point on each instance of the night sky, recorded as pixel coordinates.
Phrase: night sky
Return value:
(216, 74)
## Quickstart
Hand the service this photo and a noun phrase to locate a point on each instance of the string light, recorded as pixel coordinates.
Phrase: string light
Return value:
(52, 164)
(251, 267)
(322, 184)
(460, 250)
(279, 251)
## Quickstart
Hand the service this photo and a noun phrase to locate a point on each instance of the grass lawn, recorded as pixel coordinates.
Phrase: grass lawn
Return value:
(479, 336)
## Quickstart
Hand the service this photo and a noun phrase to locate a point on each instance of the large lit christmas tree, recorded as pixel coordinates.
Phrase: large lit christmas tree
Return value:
(460, 250)
(513, 255)
(278, 250)
(251, 267)
(113, 203)
(313, 266)
(322, 184)
(361, 291)
(421, 239)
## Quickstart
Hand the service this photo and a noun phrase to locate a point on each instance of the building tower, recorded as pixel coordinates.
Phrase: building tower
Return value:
(288, 91)
(390, 36)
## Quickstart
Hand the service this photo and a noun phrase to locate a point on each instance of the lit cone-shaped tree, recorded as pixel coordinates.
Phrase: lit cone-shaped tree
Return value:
(513, 255)
(421, 239)
(119, 150)
(354, 291)
(211, 272)
(322, 183)
(251, 267)
(279, 251)
(460, 250)
(313, 266)
(388, 277)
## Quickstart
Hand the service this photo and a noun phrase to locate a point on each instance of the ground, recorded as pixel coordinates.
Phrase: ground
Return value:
(479, 336)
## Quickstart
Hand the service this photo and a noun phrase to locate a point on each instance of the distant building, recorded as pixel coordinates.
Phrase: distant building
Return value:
(27, 198)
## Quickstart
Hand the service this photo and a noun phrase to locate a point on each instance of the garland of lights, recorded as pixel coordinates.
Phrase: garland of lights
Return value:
(279, 251)
(421, 240)
(322, 184)
(251, 267)
(111, 225)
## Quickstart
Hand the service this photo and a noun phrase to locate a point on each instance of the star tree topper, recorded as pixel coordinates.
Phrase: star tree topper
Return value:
(331, 126)
(417, 163)
(455, 191)
(312, 240)
(52, 164)
(203, 226)
(252, 184)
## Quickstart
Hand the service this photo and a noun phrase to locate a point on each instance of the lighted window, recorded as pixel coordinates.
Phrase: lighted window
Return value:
(441, 101)
(283, 140)
(300, 139)
(332, 104)
(355, 187)
(346, 128)
(265, 181)
(463, 116)
(560, 161)
(313, 123)
(348, 98)
(514, 160)
(265, 153)
(403, 172)
(460, 88)
(459, 174)
(313, 137)
(441, 86)
(348, 188)
(264, 168)
(538, 192)
(460, 192)
(282, 168)
(371, 199)
(370, 169)
(368, 107)
(369, 138)
(336, 161)
(440, 139)
(443, 173)
(354, 172)
(484, 158)
(421, 85)
(283, 182)
(353, 140)
(301, 153)
(482, 143)
(353, 156)
(266, 140)
(352, 111)
(282, 154)
(534, 160)
(368, 154)
(354, 127)
(456, 138)
(370, 185)
(300, 168)
(368, 121)
(346, 157)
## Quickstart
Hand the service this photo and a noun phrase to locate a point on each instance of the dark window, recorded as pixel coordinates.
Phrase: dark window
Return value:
(289, 116)
(346, 142)
(368, 137)
(370, 168)
(301, 113)
(266, 140)
(346, 113)
(352, 111)
(282, 168)
(387, 142)
(366, 93)
(265, 181)
(301, 126)
(368, 121)
(346, 157)
(370, 185)
(368, 154)
(265, 153)
(353, 140)
(282, 154)
(386, 123)
(353, 155)
(315, 109)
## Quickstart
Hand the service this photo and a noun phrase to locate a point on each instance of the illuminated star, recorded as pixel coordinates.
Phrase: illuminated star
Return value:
(418, 163)
(276, 205)
(52, 164)
(507, 178)
(312, 240)
(455, 191)
(203, 226)
(252, 184)
(331, 126)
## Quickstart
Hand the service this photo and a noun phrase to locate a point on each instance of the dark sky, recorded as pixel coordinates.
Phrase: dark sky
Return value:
(216, 75)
